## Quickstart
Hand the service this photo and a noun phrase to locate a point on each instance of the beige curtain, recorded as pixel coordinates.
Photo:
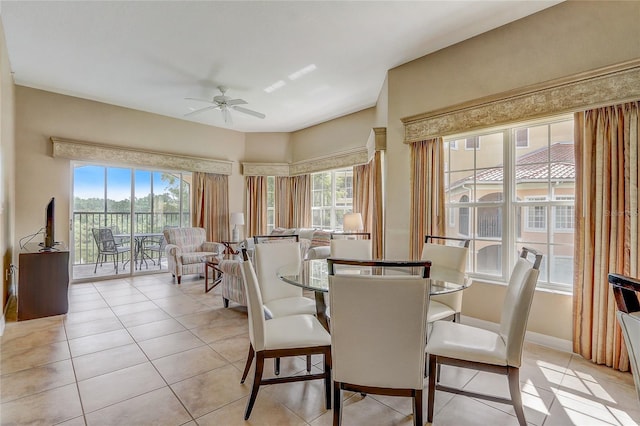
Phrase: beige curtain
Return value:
(367, 200)
(606, 235)
(293, 201)
(427, 193)
(256, 208)
(210, 204)
(284, 202)
(301, 186)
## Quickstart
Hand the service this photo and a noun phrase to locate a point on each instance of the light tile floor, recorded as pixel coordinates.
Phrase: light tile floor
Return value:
(143, 351)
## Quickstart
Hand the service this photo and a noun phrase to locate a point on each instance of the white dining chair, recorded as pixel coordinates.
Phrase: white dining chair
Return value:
(281, 299)
(459, 345)
(287, 336)
(630, 324)
(625, 291)
(351, 249)
(448, 263)
(378, 347)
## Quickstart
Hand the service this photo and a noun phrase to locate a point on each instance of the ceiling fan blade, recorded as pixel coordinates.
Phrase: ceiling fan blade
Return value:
(199, 100)
(249, 111)
(233, 102)
(200, 110)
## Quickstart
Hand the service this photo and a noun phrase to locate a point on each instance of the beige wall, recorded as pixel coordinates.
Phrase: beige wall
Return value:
(342, 134)
(39, 176)
(267, 148)
(7, 165)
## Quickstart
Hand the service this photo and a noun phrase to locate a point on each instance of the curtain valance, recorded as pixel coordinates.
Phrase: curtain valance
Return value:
(87, 151)
(334, 161)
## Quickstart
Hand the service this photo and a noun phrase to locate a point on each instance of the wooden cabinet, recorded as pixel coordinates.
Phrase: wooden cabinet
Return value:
(43, 283)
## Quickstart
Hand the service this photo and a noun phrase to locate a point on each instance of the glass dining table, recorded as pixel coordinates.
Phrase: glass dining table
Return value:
(314, 275)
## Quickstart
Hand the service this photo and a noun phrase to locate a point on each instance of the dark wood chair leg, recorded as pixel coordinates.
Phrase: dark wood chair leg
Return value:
(432, 387)
(418, 409)
(248, 364)
(225, 302)
(337, 404)
(516, 396)
(179, 278)
(257, 379)
(308, 363)
(276, 366)
(327, 378)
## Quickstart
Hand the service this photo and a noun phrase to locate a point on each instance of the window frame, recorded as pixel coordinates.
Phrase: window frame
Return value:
(513, 209)
(334, 208)
(271, 207)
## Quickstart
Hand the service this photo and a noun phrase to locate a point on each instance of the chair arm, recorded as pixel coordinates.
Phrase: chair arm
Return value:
(212, 247)
(173, 250)
(231, 267)
(322, 252)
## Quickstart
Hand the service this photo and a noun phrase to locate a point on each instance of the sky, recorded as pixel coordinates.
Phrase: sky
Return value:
(89, 182)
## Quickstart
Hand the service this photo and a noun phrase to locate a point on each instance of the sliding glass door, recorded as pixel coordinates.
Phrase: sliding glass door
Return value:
(119, 215)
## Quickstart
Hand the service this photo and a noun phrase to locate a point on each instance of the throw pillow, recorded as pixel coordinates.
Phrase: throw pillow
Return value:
(321, 239)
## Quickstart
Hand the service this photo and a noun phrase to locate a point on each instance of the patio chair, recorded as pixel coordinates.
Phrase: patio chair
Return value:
(107, 246)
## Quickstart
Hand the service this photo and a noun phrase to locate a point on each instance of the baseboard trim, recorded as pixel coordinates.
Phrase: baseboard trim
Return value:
(530, 336)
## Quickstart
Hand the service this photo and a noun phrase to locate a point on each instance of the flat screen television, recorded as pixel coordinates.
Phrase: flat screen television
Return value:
(49, 238)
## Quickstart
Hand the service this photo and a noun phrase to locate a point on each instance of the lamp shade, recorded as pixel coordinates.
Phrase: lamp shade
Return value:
(237, 218)
(352, 222)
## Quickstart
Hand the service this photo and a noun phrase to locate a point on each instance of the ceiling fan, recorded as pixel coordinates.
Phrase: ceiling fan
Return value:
(224, 103)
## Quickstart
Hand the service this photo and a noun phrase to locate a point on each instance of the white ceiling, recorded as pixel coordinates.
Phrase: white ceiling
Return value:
(150, 55)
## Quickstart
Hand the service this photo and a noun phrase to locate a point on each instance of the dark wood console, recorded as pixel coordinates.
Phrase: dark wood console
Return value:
(43, 282)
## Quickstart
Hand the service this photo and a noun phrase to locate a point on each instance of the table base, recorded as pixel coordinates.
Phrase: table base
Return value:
(216, 275)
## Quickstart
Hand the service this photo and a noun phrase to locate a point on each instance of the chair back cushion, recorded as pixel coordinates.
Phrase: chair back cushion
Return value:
(254, 306)
(630, 324)
(378, 329)
(516, 307)
(269, 258)
(448, 263)
(351, 249)
(188, 239)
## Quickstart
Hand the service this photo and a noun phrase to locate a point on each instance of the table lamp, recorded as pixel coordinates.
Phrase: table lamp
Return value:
(237, 218)
(352, 222)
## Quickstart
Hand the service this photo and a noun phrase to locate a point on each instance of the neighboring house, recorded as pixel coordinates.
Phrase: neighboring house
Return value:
(534, 172)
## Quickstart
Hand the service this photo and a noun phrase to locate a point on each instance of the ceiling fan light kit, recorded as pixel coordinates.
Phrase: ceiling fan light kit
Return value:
(223, 103)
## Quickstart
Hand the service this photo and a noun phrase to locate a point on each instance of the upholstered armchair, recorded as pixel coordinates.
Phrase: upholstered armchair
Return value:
(187, 250)
(232, 284)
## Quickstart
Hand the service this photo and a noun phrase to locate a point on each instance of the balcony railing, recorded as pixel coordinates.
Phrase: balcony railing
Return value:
(85, 249)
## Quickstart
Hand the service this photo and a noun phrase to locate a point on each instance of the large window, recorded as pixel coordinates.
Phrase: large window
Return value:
(271, 203)
(129, 201)
(507, 194)
(332, 193)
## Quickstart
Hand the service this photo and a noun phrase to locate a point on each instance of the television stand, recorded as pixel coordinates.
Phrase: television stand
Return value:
(43, 282)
